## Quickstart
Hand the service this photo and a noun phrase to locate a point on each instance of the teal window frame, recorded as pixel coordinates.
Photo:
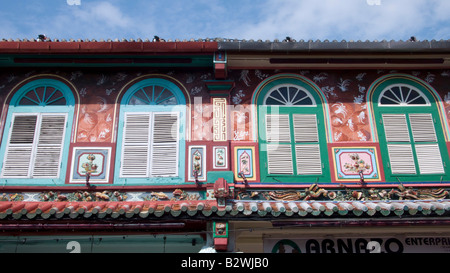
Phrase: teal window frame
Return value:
(431, 107)
(317, 108)
(179, 108)
(14, 109)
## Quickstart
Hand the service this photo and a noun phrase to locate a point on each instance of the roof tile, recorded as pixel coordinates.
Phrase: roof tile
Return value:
(22, 210)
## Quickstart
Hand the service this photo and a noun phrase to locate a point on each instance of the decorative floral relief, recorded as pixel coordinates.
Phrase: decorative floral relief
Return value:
(356, 165)
(314, 192)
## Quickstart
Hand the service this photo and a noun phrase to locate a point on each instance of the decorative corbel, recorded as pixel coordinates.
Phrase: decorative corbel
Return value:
(220, 235)
(220, 64)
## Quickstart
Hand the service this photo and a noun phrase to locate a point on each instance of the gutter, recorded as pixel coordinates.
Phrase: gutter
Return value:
(84, 227)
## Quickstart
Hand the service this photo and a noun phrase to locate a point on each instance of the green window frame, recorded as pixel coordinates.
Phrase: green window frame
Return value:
(410, 132)
(292, 132)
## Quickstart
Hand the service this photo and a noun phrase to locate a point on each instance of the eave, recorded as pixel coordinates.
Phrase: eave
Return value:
(338, 60)
(121, 211)
(107, 54)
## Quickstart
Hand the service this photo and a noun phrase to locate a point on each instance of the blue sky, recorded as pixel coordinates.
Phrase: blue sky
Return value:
(234, 19)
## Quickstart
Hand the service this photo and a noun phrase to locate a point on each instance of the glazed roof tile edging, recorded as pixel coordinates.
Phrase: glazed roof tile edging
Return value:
(342, 46)
(23, 210)
(106, 47)
(211, 45)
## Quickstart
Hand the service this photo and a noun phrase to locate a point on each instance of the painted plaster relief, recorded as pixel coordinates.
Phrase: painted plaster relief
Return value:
(345, 92)
(201, 108)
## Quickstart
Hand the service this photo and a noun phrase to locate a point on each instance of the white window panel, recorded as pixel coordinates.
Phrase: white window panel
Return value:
(308, 159)
(35, 146)
(305, 128)
(401, 158)
(279, 159)
(150, 145)
(396, 128)
(278, 128)
(422, 127)
(135, 149)
(429, 158)
(165, 145)
(19, 150)
(49, 147)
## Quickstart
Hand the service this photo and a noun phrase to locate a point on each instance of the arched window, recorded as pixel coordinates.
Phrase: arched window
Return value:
(410, 131)
(150, 143)
(291, 132)
(37, 133)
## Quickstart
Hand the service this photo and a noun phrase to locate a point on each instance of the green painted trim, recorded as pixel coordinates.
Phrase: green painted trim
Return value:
(64, 60)
(223, 235)
(317, 109)
(212, 176)
(432, 109)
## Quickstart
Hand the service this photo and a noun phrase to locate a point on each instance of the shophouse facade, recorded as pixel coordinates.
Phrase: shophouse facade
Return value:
(231, 145)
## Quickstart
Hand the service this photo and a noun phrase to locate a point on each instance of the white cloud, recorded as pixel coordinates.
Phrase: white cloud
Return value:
(346, 19)
(91, 20)
(103, 13)
(241, 19)
(73, 2)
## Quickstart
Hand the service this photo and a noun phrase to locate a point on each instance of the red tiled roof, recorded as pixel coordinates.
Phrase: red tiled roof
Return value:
(107, 47)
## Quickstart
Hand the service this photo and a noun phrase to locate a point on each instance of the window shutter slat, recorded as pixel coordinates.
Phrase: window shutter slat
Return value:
(17, 161)
(135, 150)
(401, 158)
(279, 159)
(49, 146)
(278, 128)
(308, 159)
(396, 128)
(305, 128)
(422, 127)
(23, 129)
(20, 146)
(165, 145)
(429, 158)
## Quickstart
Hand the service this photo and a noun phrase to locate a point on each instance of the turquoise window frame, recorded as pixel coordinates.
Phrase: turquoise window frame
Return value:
(180, 108)
(14, 108)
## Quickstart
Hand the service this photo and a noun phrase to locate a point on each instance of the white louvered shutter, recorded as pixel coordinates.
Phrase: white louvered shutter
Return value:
(278, 128)
(396, 128)
(279, 156)
(305, 128)
(429, 158)
(164, 151)
(47, 159)
(135, 149)
(308, 159)
(20, 146)
(279, 159)
(307, 155)
(422, 127)
(401, 158)
(428, 155)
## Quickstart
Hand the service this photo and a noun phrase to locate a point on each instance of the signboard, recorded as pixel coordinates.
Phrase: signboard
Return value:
(378, 244)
